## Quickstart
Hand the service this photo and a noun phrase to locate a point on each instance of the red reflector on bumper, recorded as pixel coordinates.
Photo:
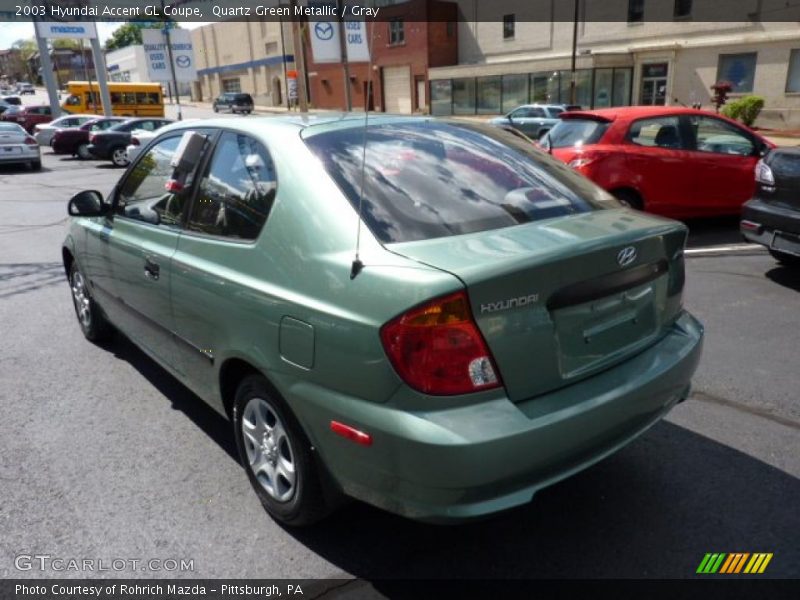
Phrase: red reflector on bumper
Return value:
(352, 434)
(750, 226)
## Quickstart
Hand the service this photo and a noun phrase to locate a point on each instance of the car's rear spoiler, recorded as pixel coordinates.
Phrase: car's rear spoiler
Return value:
(586, 116)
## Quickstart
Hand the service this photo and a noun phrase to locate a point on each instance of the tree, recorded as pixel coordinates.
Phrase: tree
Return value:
(27, 49)
(130, 34)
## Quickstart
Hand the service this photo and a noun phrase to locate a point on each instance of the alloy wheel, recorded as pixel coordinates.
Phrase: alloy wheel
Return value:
(269, 451)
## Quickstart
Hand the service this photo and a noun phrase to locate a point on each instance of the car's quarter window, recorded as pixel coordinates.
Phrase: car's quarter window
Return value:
(429, 179)
(143, 192)
(720, 137)
(237, 191)
(662, 132)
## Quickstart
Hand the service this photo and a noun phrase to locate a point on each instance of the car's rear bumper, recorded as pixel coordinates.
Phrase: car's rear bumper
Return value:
(26, 154)
(468, 461)
(99, 151)
(761, 220)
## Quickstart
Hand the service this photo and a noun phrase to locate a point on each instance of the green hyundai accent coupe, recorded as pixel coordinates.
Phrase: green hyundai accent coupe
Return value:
(430, 316)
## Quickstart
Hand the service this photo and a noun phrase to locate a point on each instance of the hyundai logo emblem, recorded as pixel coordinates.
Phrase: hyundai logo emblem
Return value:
(626, 256)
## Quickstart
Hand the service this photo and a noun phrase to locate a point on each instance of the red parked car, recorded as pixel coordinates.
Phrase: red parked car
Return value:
(672, 161)
(28, 116)
(75, 141)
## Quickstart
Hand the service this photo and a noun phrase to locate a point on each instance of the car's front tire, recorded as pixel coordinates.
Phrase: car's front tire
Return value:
(92, 321)
(278, 458)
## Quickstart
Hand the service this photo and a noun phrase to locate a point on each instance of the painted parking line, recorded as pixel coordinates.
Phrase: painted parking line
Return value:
(727, 249)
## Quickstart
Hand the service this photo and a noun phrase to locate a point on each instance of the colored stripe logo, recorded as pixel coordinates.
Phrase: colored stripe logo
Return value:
(734, 563)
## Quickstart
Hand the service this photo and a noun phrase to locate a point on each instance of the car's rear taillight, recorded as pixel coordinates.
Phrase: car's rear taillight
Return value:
(438, 349)
(31, 141)
(92, 139)
(135, 141)
(764, 174)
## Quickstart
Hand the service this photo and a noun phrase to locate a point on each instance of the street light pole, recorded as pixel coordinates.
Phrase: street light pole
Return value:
(172, 65)
(348, 100)
(573, 92)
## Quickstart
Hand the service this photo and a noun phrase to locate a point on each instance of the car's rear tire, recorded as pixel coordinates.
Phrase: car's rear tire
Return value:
(280, 463)
(119, 156)
(36, 165)
(629, 198)
(83, 152)
(789, 260)
(92, 321)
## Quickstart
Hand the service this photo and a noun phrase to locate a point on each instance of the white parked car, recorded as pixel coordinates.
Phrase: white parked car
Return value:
(139, 139)
(16, 146)
(44, 132)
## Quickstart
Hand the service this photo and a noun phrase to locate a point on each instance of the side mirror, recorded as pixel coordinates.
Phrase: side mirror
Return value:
(763, 150)
(87, 204)
(510, 118)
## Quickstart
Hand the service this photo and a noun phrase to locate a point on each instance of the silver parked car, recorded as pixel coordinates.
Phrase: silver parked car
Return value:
(534, 120)
(16, 146)
(44, 132)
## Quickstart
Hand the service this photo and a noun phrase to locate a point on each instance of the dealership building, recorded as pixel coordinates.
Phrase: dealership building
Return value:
(627, 52)
(243, 56)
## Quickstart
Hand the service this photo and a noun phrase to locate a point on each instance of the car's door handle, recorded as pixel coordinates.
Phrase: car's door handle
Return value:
(151, 269)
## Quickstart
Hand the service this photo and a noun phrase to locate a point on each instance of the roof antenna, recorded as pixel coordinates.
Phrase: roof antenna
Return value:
(357, 265)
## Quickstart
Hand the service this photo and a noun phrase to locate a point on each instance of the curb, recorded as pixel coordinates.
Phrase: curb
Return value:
(726, 250)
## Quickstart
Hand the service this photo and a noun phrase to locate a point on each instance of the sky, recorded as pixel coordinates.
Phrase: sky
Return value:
(11, 32)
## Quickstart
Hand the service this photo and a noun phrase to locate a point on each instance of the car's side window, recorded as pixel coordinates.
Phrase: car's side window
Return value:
(143, 194)
(237, 191)
(537, 113)
(661, 132)
(719, 137)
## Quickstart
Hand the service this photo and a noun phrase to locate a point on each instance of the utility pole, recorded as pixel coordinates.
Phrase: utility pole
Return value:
(172, 65)
(573, 92)
(283, 62)
(348, 100)
(299, 61)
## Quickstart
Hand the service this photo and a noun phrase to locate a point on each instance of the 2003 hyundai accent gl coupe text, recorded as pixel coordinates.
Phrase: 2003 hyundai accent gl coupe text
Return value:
(506, 322)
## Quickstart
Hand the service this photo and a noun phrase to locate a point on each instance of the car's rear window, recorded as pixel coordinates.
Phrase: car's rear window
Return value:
(430, 179)
(242, 98)
(570, 132)
(785, 164)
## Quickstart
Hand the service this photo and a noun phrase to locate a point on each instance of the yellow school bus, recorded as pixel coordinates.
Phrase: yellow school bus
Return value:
(127, 99)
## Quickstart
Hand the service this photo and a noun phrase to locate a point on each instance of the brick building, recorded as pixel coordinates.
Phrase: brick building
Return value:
(402, 52)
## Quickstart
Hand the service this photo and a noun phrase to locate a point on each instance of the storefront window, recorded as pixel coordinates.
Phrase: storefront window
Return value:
(464, 96)
(441, 97)
(515, 91)
(583, 88)
(539, 87)
(603, 87)
(489, 90)
(623, 79)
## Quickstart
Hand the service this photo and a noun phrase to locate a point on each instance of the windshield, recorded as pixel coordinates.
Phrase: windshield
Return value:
(432, 179)
(571, 132)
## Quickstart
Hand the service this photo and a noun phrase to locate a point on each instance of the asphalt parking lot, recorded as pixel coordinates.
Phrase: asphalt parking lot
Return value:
(103, 455)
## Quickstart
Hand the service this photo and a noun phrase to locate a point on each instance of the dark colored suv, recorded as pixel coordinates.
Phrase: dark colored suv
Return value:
(772, 217)
(234, 102)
